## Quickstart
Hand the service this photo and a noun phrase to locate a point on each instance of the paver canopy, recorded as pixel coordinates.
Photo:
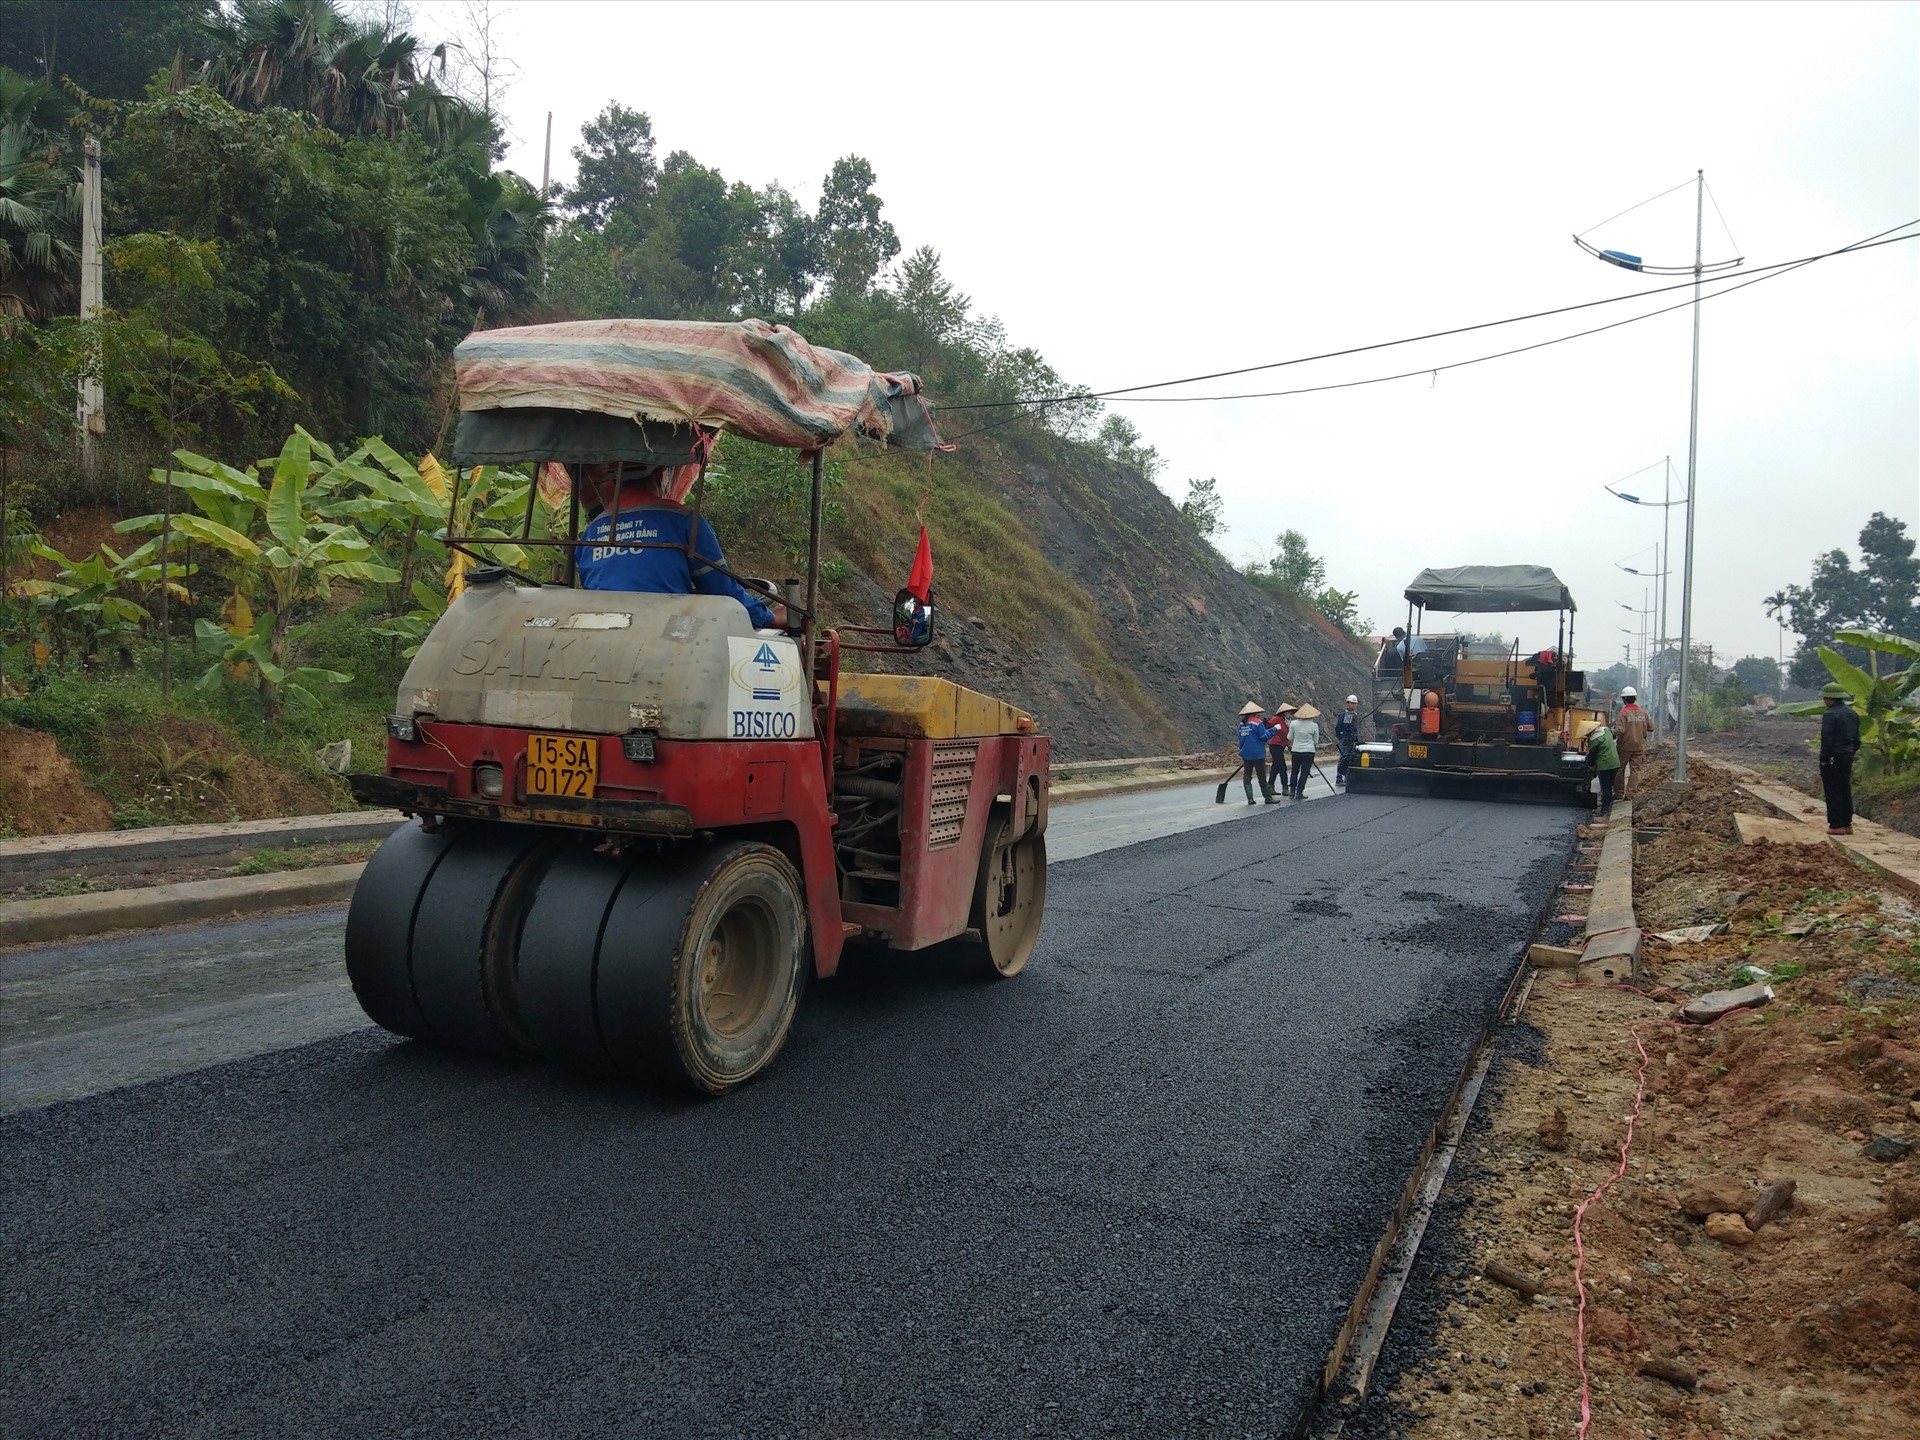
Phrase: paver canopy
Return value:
(1490, 589)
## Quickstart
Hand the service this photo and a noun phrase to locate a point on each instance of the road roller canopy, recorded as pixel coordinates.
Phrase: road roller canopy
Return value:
(653, 391)
(1490, 589)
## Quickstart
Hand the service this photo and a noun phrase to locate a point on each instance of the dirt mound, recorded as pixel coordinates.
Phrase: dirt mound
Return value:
(186, 771)
(41, 793)
(1706, 803)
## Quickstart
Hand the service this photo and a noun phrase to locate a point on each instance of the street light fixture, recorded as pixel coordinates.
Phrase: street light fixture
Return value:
(1660, 570)
(1698, 268)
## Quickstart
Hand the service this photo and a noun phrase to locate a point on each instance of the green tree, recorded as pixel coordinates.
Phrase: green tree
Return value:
(1297, 568)
(615, 165)
(856, 244)
(1120, 438)
(1201, 508)
(310, 55)
(1883, 593)
(39, 200)
(109, 48)
(344, 259)
(1758, 675)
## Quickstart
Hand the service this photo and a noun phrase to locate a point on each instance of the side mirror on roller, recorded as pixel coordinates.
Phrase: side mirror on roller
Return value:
(912, 620)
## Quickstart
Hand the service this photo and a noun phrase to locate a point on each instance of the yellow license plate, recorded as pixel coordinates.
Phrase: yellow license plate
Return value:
(1416, 752)
(563, 765)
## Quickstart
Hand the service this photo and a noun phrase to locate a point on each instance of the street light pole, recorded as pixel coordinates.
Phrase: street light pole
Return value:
(1693, 455)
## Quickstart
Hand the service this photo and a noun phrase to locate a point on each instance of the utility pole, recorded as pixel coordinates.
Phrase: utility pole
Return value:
(1661, 566)
(90, 412)
(1693, 455)
(546, 159)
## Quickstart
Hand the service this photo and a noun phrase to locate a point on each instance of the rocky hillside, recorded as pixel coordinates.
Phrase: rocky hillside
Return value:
(1125, 632)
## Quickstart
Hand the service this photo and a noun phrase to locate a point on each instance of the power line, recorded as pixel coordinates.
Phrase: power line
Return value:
(1631, 208)
(1409, 340)
(1129, 393)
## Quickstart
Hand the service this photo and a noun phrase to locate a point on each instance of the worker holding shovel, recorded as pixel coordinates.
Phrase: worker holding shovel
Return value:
(1254, 736)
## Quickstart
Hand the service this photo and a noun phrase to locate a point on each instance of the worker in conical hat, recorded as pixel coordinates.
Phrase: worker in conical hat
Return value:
(1305, 740)
(1278, 739)
(1253, 737)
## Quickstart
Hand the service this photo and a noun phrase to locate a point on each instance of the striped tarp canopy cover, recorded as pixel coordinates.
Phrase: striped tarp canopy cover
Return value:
(746, 377)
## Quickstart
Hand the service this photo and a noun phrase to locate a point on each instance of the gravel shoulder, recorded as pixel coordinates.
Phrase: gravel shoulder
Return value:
(1806, 1323)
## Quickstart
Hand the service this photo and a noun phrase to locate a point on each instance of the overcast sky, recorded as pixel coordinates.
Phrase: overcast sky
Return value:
(1148, 191)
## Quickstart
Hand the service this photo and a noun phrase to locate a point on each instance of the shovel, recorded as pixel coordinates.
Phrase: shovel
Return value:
(1220, 795)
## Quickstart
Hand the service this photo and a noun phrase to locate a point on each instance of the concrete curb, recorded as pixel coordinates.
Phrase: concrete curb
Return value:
(67, 917)
(1123, 785)
(1613, 940)
(68, 852)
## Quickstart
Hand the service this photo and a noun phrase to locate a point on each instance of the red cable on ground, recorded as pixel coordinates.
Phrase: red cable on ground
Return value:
(1580, 1215)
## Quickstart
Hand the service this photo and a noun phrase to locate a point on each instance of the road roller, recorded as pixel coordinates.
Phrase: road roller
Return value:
(1472, 719)
(639, 822)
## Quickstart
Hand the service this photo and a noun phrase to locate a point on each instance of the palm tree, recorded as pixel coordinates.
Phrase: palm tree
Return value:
(308, 55)
(39, 199)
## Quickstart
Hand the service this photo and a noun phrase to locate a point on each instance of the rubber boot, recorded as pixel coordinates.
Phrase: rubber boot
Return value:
(1247, 785)
(1272, 799)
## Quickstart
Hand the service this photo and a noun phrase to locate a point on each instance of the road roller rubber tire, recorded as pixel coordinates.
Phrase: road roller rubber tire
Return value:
(1009, 897)
(380, 921)
(559, 947)
(466, 937)
(702, 960)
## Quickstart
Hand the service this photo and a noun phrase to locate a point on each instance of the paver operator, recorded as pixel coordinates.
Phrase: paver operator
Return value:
(1346, 731)
(1254, 736)
(1839, 743)
(671, 566)
(1631, 727)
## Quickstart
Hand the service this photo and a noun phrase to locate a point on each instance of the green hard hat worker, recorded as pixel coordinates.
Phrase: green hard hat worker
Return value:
(1839, 743)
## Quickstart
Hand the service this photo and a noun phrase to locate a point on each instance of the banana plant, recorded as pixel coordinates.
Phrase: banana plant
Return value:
(281, 551)
(1888, 705)
(429, 605)
(81, 605)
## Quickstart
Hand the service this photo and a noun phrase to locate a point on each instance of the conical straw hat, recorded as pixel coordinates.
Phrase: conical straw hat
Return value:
(1307, 712)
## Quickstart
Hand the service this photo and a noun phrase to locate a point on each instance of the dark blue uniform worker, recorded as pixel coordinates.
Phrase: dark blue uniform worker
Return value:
(1253, 739)
(661, 571)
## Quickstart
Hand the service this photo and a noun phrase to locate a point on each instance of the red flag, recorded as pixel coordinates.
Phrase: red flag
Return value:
(920, 579)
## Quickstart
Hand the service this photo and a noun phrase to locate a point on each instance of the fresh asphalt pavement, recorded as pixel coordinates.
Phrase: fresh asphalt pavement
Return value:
(1131, 1191)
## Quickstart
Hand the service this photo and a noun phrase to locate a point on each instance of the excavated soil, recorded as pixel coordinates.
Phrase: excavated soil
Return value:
(181, 772)
(1808, 1326)
(41, 793)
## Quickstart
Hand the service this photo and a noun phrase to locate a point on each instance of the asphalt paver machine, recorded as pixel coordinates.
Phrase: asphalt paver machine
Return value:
(1465, 717)
(639, 822)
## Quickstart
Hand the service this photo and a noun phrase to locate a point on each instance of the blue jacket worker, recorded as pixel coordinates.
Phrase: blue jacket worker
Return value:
(649, 517)
(1346, 732)
(1254, 735)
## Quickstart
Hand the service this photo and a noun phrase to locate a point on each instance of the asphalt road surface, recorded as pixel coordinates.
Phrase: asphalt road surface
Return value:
(1129, 1192)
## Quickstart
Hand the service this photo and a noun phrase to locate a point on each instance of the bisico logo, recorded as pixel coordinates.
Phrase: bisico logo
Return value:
(764, 724)
(768, 665)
